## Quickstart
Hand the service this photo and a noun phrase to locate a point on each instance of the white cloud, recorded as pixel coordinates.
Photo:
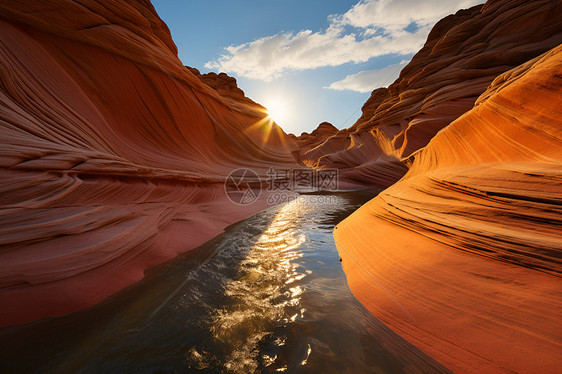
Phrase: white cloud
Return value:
(398, 14)
(366, 81)
(369, 29)
(270, 57)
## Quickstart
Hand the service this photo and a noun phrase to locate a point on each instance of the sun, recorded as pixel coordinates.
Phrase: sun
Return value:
(278, 111)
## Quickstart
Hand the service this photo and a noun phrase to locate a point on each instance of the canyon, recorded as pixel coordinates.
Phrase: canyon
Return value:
(468, 241)
(475, 225)
(463, 54)
(114, 158)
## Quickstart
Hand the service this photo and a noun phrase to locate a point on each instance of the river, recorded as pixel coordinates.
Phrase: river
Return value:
(268, 296)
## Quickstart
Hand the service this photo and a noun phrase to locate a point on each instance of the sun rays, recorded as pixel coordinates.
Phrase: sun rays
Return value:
(278, 111)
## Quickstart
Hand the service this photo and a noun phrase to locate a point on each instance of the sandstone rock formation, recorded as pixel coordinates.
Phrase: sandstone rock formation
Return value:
(306, 141)
(113, 153)
(227, 87)
(462, 56)
(462, 256)
(114, 158)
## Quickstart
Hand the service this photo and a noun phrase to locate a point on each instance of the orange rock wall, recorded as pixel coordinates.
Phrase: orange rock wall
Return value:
(113, 153)
(463, 54)
(462, 255)
(306, 141)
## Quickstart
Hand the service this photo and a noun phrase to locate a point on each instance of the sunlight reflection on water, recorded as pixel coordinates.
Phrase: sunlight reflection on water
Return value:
(268, 295)
(261, 294)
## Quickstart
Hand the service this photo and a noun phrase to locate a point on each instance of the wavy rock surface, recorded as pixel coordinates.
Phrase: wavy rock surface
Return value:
(228, 88)
(463, 54)
(462, 256)
(306, 141)
(113, 153)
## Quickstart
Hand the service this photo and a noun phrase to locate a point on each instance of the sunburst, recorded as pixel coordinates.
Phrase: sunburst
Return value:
(278, 111)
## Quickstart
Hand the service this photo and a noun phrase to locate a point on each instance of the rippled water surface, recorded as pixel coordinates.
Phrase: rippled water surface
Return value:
(268, 295)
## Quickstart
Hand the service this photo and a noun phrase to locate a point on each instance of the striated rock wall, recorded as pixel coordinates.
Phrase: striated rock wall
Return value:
(462, 255)
(463, 54)
(113, 153)
(227, 87)
(306, 141)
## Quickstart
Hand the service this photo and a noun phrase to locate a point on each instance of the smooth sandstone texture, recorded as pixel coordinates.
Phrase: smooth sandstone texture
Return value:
(306, 141)
(463, 255)
(113, 153)
(227, 87)
(463, 54)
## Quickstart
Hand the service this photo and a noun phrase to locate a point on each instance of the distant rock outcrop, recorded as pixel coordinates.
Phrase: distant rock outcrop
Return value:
(306, 141)
(461, 57)
(371, 105)
(113, 153)
(227, 87)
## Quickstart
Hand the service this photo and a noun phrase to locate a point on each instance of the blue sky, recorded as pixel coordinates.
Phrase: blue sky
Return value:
(310, 60)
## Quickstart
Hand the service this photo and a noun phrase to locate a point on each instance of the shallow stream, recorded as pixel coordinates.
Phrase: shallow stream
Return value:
(268, 295)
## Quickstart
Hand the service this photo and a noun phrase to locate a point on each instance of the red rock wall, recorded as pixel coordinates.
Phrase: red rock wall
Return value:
(113, 153)
(463, 54)
(306, 141)
(462, 255)
(227, 87)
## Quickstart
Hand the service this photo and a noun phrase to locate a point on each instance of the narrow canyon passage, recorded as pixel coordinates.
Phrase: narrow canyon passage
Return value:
(268, 295)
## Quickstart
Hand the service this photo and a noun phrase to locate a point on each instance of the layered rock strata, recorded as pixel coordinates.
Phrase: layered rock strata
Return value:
(306, 141)
(462, 256)
(463, 54)
(113, 156)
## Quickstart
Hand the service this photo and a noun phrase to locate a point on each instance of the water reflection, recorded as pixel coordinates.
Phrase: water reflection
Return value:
(267, 296)
(261, 297)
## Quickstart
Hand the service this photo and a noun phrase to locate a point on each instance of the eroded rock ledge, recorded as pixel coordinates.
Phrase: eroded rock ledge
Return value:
(463, 54)
(462, 256)
(113, 153)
